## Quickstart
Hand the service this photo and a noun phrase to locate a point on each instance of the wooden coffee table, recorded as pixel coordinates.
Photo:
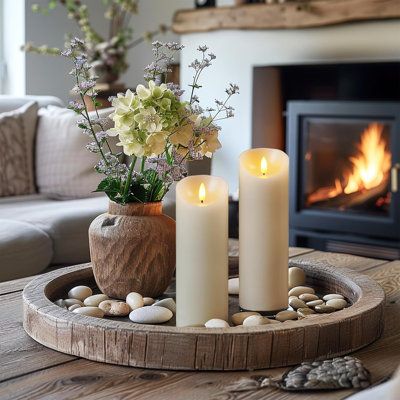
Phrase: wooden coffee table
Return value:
(30, 371)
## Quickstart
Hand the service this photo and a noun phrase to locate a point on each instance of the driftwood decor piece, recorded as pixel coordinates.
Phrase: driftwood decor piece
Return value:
(290, 15)
(237, 348)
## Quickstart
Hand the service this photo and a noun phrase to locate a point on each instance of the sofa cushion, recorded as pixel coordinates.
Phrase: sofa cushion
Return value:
(17, 133)
(24, 250)
(10, 102)
(65, 222)
(64, 168)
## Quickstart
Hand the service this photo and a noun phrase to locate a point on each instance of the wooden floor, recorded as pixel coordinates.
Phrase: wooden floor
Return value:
(31, 371)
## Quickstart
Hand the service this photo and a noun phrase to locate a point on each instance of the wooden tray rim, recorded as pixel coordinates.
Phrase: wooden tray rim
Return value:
(372, 297)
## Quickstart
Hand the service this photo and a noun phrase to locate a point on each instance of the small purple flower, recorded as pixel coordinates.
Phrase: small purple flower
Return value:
(86, 85)
(76, 106)
(232, 89)
(92, 147)
(175, 89)
(101, 136)
(76, 42)
(66, 53)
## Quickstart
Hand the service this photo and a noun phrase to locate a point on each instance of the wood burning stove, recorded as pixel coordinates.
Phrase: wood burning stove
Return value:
(344, 173)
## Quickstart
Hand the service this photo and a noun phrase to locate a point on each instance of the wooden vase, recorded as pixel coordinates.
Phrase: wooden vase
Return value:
(132, 249)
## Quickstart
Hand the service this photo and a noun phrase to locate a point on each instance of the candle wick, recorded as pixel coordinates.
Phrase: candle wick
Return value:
(263, 173)
(201, 201)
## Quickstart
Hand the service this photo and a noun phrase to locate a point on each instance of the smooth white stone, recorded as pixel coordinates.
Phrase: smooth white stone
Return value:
(238, 318)
(167, 303)
(255, 320)
(90, 311)
(71, 302)
(314, 303)
(297, 277)
(148, 301)
(80, 292)
(60, 303)
(332, 296)
(298, 290)
(308, 297)
(337, 304)
(73, 307)
(150, 315)
(233, 286)
(95, 300)
(216, 323)
(296, 303)
(286, 315)
(114, 308)
(134, 300)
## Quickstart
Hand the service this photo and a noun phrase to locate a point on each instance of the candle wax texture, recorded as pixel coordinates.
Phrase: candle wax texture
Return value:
(201, 250)
(263, 229)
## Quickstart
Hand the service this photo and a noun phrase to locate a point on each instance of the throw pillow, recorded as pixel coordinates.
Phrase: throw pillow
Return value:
(17, 133)
(64, 167)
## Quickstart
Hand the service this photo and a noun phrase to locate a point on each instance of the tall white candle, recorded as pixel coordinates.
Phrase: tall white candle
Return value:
(263, 230)
(201, 250)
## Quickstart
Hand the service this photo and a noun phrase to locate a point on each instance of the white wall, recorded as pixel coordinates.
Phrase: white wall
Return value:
(49, 75)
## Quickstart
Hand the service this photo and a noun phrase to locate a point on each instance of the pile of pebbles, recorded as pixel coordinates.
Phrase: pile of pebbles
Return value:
(302, 300)
(142, 310)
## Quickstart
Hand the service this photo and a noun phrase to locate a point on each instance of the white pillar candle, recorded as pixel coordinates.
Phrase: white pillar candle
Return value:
(263, 230)
(201, 250)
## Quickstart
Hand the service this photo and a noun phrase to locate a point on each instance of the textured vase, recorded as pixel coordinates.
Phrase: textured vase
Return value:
(132, 249)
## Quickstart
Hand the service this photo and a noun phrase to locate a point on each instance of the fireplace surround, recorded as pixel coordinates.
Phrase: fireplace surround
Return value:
(344, 172)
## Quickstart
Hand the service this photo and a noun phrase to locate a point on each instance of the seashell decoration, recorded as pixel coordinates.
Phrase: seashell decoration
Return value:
(336, 373)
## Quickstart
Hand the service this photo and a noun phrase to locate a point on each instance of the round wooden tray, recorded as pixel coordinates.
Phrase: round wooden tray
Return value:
(236, 348)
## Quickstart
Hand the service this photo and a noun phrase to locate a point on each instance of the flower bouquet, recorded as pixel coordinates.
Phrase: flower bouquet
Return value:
(158, 132)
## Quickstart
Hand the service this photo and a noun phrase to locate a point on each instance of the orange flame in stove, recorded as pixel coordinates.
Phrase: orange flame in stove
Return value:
(372, 163)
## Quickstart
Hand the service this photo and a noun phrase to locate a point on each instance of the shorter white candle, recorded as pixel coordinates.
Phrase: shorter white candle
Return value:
(201, 250)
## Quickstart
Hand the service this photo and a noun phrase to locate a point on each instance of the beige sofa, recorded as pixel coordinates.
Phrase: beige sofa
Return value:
(36, 232)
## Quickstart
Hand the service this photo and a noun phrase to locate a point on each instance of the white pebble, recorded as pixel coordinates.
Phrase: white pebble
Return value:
(216, 323)
(89, 311)
(255, 320)
(314, 303)
(95, 300)
(233, 286)
(308, 297)
(80, 292)
(286, 315)
(148, 301)
(134, 300)
(71, 302)
(150, 315)
(332, 296)
(113, 308)
(167, 303)
(337, 304)
(238, 318)
(73, 307)
(298, 290)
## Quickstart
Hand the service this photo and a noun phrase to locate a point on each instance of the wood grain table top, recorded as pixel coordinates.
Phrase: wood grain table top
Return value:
(29, 370)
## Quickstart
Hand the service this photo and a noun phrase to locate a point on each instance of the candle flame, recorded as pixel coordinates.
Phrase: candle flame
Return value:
(202, 193)
(264, 165)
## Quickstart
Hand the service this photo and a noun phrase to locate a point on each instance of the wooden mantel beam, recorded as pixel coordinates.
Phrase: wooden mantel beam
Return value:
(290, 15)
